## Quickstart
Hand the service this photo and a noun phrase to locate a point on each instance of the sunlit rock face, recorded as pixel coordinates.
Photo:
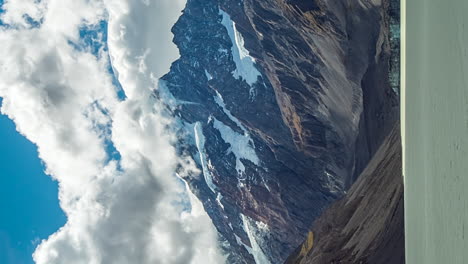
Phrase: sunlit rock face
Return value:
(280, 104)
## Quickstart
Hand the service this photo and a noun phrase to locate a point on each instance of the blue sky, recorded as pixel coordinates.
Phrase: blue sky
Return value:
(29, 203)
(66, 97)
(28, 198)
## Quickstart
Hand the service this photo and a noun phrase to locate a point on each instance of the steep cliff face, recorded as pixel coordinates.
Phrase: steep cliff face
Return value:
(366, 226)
(280, 104)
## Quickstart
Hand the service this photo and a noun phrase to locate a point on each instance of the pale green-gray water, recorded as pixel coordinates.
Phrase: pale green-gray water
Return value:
(435, 130)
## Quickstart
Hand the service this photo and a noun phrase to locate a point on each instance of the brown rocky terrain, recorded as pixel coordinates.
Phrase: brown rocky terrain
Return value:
(366, 226)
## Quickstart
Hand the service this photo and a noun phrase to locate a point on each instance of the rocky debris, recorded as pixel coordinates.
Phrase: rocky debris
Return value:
(366, 226)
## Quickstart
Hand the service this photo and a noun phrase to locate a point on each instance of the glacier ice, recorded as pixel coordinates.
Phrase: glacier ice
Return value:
(245, 64)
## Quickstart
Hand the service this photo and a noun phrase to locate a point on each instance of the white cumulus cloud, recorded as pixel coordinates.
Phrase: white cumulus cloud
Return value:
(130, 210)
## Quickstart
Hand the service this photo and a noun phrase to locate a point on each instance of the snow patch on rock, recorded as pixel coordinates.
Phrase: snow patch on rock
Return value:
(257, 252)
(245, 64)
(241, 145)
(220, 101)
(333, 184)
(208, 75)
(168, 98)
(218, 200)
(239, 241)
(200, 143)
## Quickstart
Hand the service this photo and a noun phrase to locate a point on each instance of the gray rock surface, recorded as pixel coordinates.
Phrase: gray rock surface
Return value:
(281, 104)
(366, 226)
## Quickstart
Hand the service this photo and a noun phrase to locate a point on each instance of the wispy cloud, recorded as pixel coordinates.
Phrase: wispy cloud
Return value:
(130, 209)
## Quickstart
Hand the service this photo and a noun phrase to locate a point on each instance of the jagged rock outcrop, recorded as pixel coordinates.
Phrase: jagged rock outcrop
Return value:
(366, 226)
(280, 103)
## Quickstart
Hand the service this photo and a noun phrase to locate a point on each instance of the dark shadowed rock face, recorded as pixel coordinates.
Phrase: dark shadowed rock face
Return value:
(366, 226)
(271, 98)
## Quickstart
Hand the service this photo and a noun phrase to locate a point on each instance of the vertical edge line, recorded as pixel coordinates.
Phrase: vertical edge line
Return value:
(403, 109)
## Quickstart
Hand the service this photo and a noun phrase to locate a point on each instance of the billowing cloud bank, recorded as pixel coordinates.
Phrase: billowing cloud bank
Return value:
(57, 87)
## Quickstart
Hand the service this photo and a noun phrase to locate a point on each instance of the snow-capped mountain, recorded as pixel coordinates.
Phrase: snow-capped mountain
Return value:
(280, 103)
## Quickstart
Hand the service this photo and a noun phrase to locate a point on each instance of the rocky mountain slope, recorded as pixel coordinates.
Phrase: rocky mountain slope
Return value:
(280, 103)
(366, 226)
